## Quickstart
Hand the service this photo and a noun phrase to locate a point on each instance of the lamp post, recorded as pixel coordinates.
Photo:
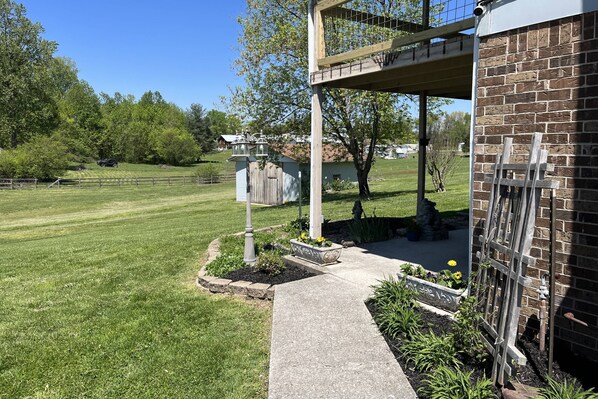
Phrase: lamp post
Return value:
(242, 149)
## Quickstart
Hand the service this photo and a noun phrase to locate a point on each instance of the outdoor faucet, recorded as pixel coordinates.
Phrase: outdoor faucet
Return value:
(543, 290)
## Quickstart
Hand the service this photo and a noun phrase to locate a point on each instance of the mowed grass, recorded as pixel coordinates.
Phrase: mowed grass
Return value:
(128, 170)
(97, 294)
(97, 297)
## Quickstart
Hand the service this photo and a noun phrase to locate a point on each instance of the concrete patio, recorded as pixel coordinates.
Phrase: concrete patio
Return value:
(324, 341)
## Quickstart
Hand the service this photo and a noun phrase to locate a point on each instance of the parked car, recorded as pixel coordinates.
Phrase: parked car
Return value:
(109, 163)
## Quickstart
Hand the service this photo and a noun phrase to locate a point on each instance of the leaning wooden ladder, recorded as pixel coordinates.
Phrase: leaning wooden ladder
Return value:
(505, 248)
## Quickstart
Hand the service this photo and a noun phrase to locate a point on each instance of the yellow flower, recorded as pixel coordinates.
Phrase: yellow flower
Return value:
(320, 239)
(452, 263)
(457, 275)
(304, 236)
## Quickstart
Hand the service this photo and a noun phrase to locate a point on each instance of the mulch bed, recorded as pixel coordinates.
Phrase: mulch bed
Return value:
(564, 366)
(440, 325)
(290, 273)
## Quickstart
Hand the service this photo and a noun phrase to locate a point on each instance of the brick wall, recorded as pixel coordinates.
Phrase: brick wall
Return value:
(544, 78)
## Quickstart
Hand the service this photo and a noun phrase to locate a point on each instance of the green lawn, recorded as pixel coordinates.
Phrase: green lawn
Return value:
(97, 295)
(128, 170)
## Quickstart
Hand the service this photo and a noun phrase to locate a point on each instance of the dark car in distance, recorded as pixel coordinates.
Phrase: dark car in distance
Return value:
(109, 163)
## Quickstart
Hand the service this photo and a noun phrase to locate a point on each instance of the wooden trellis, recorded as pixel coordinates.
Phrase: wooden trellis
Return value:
(505, 248)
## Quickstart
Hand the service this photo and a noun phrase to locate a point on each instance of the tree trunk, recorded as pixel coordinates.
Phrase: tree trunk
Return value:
(362, 181)
(14, 138)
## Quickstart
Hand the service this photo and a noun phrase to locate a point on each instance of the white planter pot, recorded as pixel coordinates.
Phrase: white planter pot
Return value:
(434, 294)
(318, 255)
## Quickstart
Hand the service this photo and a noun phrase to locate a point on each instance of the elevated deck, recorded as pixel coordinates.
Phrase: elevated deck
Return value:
(443, 69)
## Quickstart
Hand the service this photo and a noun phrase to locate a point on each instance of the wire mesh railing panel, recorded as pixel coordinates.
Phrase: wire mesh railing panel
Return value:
(362, 23)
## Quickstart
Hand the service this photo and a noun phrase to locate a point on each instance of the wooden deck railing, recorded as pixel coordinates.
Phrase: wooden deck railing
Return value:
(356, 31)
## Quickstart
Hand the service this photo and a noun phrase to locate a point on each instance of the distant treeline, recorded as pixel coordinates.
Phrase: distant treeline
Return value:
(49, 117)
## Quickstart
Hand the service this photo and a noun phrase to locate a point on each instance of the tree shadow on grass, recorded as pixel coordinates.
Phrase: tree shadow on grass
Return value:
(345, 196)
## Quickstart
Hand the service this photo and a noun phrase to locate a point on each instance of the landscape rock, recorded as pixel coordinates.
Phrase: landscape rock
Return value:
(220, 285)
(205, 280)
(258, 290)
(239, 287)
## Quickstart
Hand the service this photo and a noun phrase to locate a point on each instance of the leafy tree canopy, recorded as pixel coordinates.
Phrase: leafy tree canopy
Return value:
(26, 104)
(274, 63)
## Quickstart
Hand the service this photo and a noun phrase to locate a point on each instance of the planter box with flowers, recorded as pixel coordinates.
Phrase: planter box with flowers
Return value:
(443, 289)
(319, 250)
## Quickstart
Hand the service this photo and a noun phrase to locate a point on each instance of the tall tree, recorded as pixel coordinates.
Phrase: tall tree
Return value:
(457, 125)
(441, 154)
(197, 124)
(274, 63)
(223, 123)
(80, 119)
(27, 107)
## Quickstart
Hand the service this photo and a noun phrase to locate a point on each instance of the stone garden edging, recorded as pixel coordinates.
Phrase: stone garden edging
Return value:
(243, 288)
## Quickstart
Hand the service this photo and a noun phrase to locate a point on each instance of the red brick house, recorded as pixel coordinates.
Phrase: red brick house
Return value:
(529, 66)
(542, 76)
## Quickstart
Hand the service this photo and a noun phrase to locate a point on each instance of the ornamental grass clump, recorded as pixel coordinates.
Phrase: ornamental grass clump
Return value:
(565, 390)
(370, 229)
(396, 320)
(428, 351)
(395, 303)
(447, 383)
(393, 291)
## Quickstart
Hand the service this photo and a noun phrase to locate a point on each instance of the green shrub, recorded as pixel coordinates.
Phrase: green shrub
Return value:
(8, 164)
(235, 244)
(446, 383)
(293, 226)
(338, 185)
(566, 390)
(428, 351)
(224, 264)
(370, 230)
(393, 291)
(208, 173)
(41, 158)
(269, 262)
(176, 146)
(466, 329)
(395, 319)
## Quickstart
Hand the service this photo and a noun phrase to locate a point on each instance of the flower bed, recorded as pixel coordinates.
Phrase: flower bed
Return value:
(443, 289)
(445, 358)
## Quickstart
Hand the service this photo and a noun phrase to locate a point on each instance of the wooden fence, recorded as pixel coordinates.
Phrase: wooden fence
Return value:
(92, 182)
(16, 184)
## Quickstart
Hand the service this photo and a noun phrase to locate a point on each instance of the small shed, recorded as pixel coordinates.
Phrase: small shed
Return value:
(278, 181)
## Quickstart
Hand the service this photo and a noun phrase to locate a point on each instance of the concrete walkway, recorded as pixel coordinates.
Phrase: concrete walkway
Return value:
(324, 341)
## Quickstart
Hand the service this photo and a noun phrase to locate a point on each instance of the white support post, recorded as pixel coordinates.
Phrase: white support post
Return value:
(315, 201)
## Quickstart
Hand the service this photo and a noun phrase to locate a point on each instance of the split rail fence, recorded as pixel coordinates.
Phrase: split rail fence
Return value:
(95, 182)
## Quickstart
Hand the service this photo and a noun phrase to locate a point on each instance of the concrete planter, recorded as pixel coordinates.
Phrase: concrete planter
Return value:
(317, 255)
(434, 294)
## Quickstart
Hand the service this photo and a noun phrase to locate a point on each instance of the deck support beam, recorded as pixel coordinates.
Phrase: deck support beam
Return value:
(315, 51)
(315, 186)
(423, 143)
(423, 123)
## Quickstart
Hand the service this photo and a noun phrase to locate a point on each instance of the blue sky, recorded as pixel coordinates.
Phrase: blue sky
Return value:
(185, 49)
